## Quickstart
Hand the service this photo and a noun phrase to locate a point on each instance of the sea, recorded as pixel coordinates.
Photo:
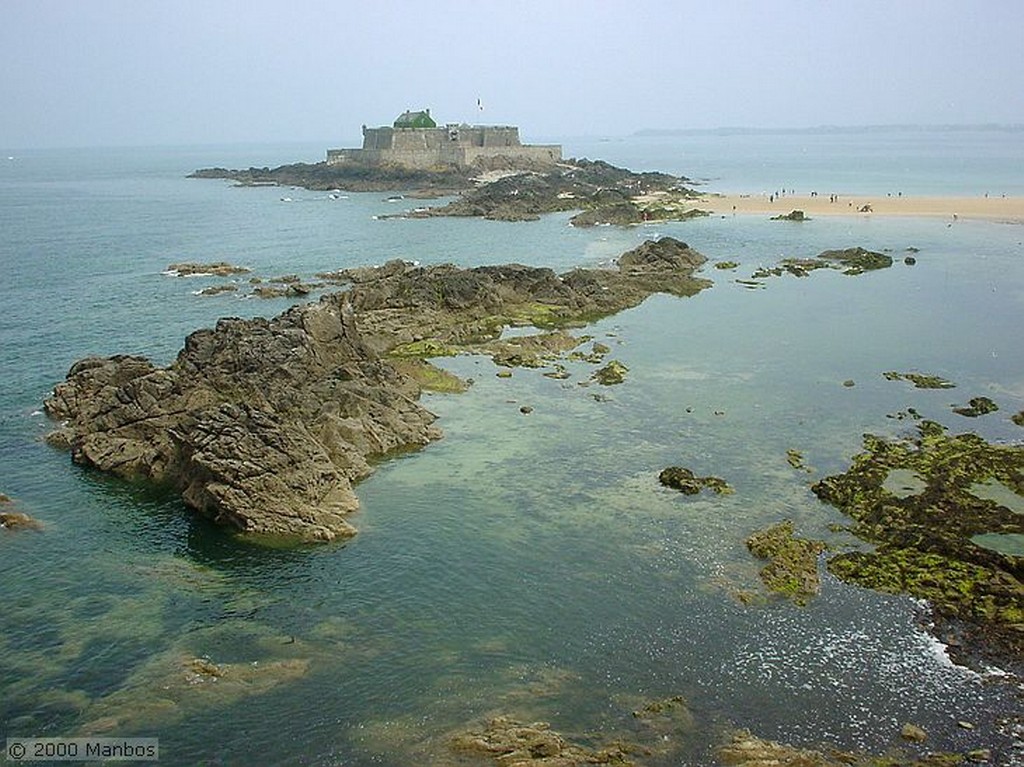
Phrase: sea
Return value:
(525, 565)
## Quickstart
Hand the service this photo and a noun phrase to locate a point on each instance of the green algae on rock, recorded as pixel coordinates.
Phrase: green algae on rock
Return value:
(511, 742)
(920, 380)
(611, 374)
(977, 406)
(796, 459)
(851, 261)
(747, 750)
(924, 541)
(1018, 418)
(792, 569)
(688, 483)
(793, 215)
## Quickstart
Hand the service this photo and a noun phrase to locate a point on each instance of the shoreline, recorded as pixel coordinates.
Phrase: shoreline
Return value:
(1007, 209)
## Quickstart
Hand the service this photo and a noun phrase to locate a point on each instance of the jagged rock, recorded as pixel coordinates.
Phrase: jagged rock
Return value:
(264, 425)
(612, 373)
(214, 290)
(661, 255)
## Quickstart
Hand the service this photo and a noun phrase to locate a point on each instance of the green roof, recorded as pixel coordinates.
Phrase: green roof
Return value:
(421, 119)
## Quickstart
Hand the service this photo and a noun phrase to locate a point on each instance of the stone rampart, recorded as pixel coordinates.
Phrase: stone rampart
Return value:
(459, 145)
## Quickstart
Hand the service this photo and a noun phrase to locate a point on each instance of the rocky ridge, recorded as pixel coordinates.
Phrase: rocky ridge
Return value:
(264, 425)
(601, 192)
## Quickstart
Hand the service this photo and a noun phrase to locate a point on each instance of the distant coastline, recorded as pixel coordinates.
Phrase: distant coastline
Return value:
(830, 129)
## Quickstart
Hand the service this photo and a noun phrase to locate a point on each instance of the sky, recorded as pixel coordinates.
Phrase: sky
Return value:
(141, 72)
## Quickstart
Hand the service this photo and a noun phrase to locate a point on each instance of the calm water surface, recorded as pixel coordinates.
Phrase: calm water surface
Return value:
(528, 565)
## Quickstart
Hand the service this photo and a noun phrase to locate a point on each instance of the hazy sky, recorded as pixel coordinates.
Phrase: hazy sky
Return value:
(110, 72)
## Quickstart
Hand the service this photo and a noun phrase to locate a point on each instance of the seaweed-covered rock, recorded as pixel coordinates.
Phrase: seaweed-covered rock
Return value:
(794, 215)
(510, 742)
(924, 541)
(1018, 418)
(920, 380)
(850, 261)
(857, 260)
(977, 406)
(685, 481)
(661, 255)
(792, 569)
(747, 750)
(612, 373)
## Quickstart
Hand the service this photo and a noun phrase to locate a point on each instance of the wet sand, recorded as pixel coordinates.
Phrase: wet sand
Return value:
(1010, 209)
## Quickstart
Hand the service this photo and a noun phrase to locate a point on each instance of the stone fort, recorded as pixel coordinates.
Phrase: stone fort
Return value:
(416, 141)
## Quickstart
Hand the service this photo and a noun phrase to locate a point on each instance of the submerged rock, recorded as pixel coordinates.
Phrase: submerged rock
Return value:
(12, 519)
(17, 520)
(746, 750)
(792, 569)
(510, 742)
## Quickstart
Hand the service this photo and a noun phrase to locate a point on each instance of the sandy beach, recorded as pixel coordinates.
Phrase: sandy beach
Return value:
(1009, 209)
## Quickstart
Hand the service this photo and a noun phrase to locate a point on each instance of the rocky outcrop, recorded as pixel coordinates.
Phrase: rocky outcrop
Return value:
(193, 268)
(353, 177)
(264, 425)
(685, 481)
(12, 519)
(603, 193)
(793, 215)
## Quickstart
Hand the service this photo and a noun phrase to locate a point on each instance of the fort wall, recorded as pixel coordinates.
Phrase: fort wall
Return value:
(459, 145)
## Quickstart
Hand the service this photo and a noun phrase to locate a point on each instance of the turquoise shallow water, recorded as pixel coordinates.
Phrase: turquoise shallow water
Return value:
(529, 565)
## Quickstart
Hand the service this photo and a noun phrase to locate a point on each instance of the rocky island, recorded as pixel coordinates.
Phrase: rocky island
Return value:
(600, 192)
(264, 425)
